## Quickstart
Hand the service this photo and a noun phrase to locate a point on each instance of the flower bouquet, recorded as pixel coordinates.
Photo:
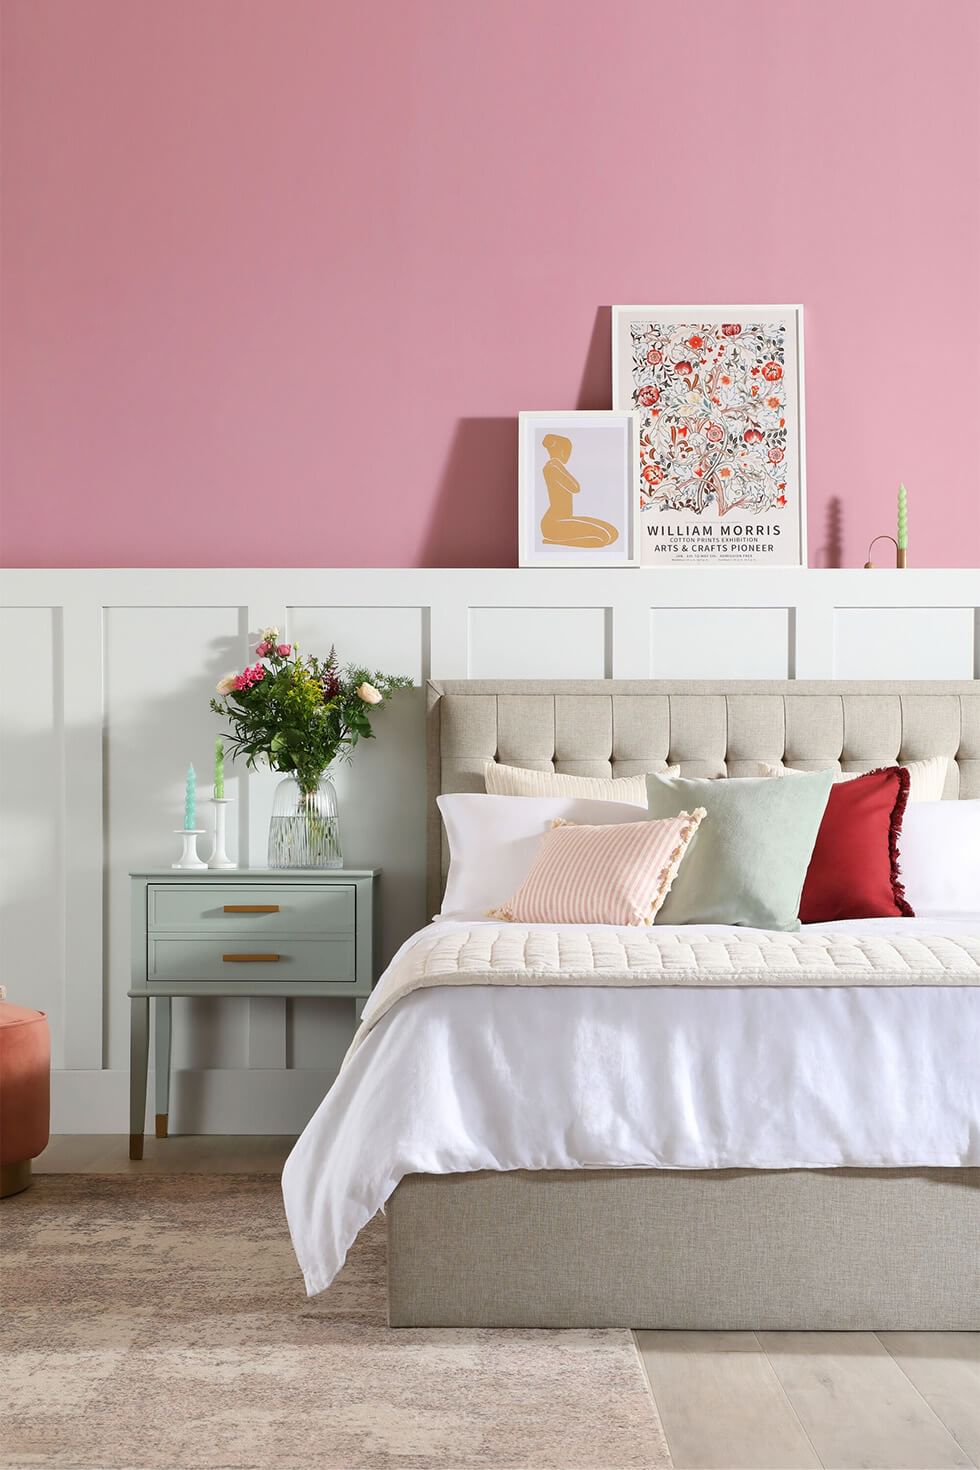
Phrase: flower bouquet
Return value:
(300, 715)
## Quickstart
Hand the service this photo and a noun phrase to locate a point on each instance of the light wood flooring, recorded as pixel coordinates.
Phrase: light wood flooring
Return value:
(728, 1400)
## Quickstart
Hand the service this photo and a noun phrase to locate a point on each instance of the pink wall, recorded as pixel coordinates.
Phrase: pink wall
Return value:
(278, 274)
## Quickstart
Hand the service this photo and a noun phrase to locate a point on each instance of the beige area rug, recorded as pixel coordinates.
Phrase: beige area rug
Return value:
(160, 1321)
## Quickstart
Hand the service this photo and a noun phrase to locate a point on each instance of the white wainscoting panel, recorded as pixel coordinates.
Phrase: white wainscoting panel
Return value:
(107, 677)
(706, 642)
(32, 937)
(905, 642)
(538, 642)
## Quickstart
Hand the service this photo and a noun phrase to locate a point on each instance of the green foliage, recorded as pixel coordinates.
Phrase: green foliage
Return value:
(300, 714)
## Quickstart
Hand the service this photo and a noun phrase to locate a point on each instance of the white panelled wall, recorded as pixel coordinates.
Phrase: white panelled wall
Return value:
(107, 676)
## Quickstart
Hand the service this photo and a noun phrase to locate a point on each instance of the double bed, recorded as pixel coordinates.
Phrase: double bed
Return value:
(669, 1127)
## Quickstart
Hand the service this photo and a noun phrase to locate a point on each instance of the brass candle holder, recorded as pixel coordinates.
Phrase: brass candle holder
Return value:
(901, 554)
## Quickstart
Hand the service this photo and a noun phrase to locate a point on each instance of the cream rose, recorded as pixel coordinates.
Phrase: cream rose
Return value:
(369, 694)
(227, 684)
(268, 635)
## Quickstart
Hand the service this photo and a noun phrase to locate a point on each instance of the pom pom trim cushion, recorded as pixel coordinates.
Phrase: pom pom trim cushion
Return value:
(618, 874)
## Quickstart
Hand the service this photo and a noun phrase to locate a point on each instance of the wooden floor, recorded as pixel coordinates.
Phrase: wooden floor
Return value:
(728, 1400)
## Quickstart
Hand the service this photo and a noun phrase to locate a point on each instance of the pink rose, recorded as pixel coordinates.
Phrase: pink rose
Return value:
(261, 649)
(284, 649)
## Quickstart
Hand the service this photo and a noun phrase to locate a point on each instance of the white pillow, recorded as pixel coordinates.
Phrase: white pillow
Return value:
(504, 780)
(926, 777)
(493, 841)
(939, 851)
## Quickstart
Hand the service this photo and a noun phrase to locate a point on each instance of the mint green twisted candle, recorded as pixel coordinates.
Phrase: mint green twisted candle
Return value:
(190, 801)
(903, 519)
(219, 771)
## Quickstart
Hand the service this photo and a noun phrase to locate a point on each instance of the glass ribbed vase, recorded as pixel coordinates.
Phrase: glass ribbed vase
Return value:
(305, 829)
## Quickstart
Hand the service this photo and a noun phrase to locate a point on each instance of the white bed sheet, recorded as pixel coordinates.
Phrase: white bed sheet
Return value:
(455, 1079)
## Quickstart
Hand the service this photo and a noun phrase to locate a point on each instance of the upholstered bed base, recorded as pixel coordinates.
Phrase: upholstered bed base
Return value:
(844, 1249)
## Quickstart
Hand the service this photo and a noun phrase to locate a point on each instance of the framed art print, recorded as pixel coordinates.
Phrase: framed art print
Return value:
(579, 489)
(720, 393)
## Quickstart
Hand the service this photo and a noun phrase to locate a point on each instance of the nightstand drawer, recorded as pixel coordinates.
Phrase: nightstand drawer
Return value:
(239, 960)
(242, 908)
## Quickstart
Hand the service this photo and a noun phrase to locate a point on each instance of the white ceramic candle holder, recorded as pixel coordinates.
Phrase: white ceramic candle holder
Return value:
(189, 857)
(219, 857)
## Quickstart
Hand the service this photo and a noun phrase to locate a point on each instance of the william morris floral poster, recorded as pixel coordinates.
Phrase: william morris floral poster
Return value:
(719, 391)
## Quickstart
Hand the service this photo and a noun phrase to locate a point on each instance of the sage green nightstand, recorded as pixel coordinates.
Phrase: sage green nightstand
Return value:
(243, 932)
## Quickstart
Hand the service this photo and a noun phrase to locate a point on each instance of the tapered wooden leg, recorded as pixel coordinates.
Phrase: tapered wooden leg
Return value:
(162, 1009)
(139, 1056)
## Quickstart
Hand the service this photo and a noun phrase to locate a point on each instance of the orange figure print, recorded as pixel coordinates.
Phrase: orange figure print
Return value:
(559, 526)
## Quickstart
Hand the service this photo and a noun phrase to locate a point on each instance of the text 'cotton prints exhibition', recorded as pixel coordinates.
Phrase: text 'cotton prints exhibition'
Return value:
(720, 394)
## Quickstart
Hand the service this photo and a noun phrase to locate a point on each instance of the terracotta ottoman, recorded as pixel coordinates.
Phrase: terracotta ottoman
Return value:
(25, 1093)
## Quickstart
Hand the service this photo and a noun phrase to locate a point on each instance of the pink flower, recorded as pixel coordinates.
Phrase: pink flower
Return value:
(648, 395)
(284, 649)
(250, 676)
(654, 357)
(261, 649)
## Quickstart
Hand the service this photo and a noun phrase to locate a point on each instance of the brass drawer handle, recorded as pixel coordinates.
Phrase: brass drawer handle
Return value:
(249, 959)
(251, 908)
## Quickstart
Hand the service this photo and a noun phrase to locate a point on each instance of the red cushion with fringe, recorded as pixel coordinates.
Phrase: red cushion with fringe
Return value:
(854, 873)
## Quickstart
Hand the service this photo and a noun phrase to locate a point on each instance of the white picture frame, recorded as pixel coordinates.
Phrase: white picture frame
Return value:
(696, 443)
(582, 487)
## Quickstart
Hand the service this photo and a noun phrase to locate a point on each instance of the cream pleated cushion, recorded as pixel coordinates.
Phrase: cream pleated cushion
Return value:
(926, 777)
(516, 781)
(602, 875)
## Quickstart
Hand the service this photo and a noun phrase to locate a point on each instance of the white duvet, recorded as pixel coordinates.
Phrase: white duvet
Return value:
(455, 1078)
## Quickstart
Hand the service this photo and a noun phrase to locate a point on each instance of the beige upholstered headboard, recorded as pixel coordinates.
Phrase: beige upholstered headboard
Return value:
(620, 727)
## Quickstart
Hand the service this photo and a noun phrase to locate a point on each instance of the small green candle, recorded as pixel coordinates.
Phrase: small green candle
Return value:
(903, 519)
(190, 801)
(219, 771)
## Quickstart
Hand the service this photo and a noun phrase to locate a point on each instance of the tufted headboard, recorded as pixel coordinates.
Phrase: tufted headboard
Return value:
(618, 727)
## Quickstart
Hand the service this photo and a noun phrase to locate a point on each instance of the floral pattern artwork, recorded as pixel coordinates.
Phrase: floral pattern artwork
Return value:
(713, 435)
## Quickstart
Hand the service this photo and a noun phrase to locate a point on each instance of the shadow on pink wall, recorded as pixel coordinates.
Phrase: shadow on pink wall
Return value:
(830, 553)
(475, 518)
(595, 390)
(474, 521)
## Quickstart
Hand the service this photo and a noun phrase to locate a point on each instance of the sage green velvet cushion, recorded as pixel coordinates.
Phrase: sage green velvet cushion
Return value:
(749, 857)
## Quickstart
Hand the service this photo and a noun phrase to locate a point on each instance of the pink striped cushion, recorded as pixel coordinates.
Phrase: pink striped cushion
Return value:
(619, 874)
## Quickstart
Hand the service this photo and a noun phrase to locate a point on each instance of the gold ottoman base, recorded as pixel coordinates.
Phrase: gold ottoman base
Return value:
(14, 1177)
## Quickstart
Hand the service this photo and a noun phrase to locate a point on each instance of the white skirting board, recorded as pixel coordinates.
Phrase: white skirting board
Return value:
(113, 671)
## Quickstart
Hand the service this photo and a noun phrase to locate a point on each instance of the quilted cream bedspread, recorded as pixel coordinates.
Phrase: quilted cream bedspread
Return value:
(511, 954)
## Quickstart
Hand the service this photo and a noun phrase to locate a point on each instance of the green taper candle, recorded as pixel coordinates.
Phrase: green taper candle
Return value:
(190, 801)
(903, 519)
(219, 771)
